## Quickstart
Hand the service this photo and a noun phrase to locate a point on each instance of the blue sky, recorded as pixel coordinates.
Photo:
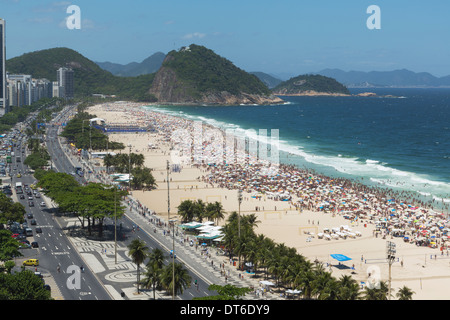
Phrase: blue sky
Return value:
(279, 37)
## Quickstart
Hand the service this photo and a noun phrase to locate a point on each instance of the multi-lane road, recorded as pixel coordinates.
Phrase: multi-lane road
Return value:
(56, 249)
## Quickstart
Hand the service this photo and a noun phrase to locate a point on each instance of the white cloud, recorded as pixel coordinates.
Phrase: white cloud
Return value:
(196, 35)
(53, 7)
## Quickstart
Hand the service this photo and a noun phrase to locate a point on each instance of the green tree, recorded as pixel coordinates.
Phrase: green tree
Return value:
(138, 252)
(23, 285)
(9, 210)
(349, 288)
(142, 178)
(380, 293)
(226, 292)
(186, 209)
(175, 278)
(9, 247)
(214, 211)
(404, 293)
(153, 271)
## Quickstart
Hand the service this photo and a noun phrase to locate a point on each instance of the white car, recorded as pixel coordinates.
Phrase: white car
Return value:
(42, 204)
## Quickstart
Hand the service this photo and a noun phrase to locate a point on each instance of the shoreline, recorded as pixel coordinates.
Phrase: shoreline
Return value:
(283, 221)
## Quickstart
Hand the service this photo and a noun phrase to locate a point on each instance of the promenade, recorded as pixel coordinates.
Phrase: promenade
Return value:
(120, 278)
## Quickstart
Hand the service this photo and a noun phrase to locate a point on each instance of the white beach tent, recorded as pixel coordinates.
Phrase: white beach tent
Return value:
(267, 283)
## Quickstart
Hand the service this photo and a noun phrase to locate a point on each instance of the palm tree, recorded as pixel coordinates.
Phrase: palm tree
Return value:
(186, 210)
(305, 280)
(138, 252)
(199, 209)
(251, 220)
(108, 161)
(404, 293)
(152, 276)
(349, 288)
(154, 269)
(324, 286)
(215, 211)
(175, 275)
(377, 293)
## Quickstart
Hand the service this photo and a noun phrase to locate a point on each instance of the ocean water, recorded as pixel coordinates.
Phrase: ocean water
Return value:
(402, 143)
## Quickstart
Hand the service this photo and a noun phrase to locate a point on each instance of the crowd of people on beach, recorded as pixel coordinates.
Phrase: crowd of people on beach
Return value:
(394, 213)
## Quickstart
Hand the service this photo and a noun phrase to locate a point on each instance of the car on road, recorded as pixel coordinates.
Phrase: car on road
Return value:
(30, 216)
(28, 232)
(21, 237)
(42, 204)
(33, 222)
(38, 230)
(31, 262)
(22, 196)
(34, 244)
(30, 198)
(24, 245)
(31, 203)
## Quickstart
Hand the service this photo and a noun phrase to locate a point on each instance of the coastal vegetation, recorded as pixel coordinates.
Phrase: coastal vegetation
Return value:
(19, 114)
(39, 156)
(282, 264)
(198, 210)
(23, 285)
(79, 132)
(90, 203)
(141, 177)
(289, 269)
(173, 277)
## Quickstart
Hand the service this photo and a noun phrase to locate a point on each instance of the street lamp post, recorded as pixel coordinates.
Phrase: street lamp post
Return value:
(129, 167)
(173, 230)
(390, 256)
(239, 220)
(115, 224)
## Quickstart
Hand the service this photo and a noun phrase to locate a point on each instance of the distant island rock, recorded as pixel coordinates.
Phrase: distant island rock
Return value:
(197, 75)
(311, 85)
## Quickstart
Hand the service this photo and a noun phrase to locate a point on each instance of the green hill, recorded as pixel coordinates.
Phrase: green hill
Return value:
(133, 69)
(310, 84)
(267, 79)
(89, 78)
(196, 74)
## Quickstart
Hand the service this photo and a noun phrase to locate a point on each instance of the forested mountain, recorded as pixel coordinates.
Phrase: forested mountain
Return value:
(267, 79)
(133, 69)
(196, 74)
(89, 78)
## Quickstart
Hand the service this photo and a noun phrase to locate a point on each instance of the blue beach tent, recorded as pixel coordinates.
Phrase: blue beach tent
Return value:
(340, 257)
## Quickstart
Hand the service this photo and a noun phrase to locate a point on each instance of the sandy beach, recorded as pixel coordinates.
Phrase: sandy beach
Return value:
(423, 269)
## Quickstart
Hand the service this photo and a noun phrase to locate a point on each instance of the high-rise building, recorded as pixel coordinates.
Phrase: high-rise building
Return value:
(24, 90)
(65, 80)
(3, 93)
